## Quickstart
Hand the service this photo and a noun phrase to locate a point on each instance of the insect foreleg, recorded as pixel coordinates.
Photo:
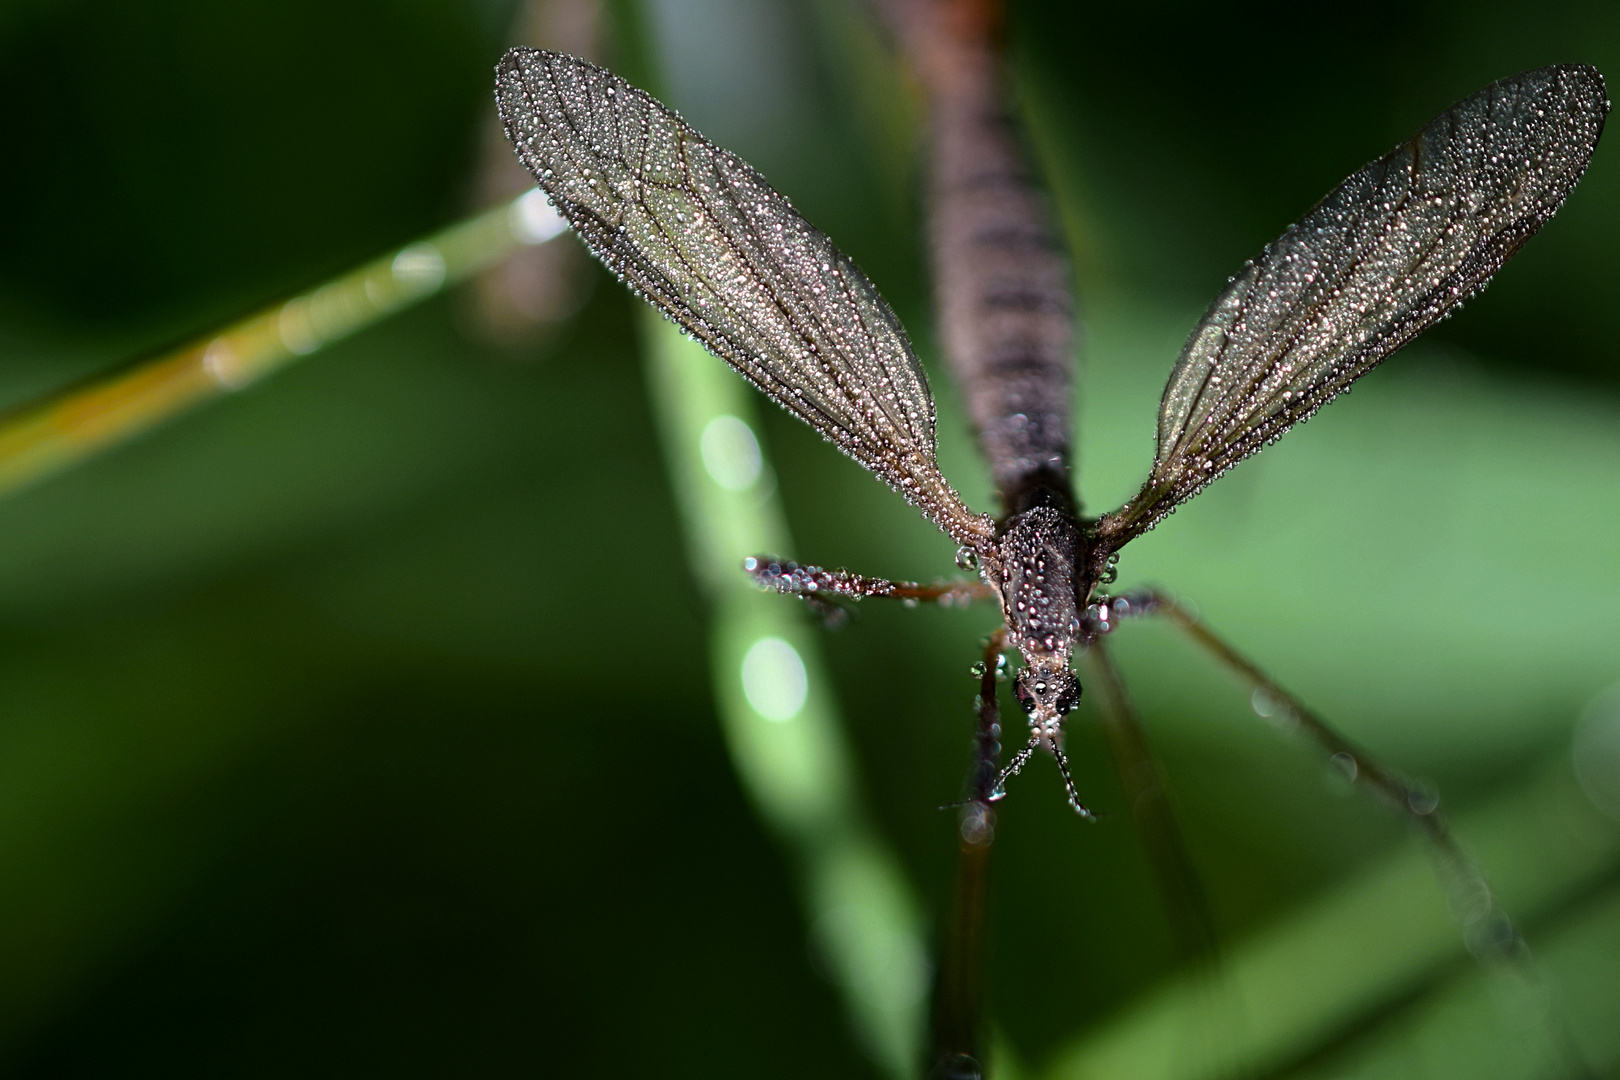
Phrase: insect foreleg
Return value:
(791, 579)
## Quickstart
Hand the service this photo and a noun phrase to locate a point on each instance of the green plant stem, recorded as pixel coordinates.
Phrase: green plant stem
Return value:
(1254, 1014)
(794, 765)
(42, 438)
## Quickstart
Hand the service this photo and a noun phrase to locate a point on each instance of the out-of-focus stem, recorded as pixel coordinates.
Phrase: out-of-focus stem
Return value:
(788, 748)
(40, 439)
(1283, 1018)
(519, 299)
(789, 751)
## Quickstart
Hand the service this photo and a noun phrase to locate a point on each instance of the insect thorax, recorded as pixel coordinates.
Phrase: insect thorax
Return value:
(1037, 575)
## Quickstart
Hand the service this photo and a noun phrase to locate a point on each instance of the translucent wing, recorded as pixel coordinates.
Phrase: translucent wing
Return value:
(1395, 248)
(700, 234)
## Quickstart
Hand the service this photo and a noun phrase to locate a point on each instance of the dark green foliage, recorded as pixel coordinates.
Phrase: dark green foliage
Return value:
(362, 723)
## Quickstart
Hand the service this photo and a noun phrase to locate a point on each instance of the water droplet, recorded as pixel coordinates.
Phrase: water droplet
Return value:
(1422, 799)
(1347, 766)
(977, 827)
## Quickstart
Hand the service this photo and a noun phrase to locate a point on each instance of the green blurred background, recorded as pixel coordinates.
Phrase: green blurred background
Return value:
(362, 724)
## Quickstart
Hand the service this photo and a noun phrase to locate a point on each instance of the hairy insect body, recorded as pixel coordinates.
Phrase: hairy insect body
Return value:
(701, 235)
(1037, 575)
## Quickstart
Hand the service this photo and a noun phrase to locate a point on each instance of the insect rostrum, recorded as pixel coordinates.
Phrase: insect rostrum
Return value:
(701, 235)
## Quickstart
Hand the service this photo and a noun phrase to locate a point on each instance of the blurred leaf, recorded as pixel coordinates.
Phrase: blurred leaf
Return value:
(363, 723)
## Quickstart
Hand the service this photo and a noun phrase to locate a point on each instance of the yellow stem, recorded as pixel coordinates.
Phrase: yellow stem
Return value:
(45, 437)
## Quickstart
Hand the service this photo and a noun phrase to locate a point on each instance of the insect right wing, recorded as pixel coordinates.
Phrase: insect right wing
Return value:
(1394, 248)
(700, 234)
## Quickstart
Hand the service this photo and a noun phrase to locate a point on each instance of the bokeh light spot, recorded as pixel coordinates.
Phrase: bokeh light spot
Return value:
(731, 453)
(774, 679)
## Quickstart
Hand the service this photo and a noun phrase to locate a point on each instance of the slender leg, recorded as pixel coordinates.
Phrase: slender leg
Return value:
(987, 741)
(1491, 933)
(791, 579)
(959, 989)
(1153, 812)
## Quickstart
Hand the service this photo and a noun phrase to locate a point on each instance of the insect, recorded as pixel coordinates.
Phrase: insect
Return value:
(700, 234)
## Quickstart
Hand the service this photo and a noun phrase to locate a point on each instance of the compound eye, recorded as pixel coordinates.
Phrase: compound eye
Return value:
(1025, 699)
(1070, 698)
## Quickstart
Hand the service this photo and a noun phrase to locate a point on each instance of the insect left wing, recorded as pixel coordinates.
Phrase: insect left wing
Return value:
(700, 234)
(1394, 248)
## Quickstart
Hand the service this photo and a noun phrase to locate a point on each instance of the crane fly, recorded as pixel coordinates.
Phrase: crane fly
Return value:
(699, 234)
